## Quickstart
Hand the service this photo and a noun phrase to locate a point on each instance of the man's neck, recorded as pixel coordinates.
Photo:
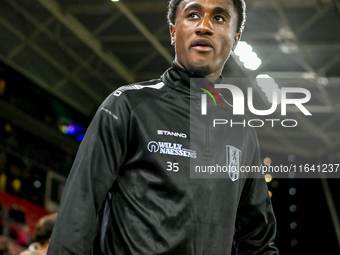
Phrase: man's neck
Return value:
(212, 77)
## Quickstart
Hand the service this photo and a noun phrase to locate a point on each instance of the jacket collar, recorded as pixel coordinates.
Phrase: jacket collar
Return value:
(180, 79)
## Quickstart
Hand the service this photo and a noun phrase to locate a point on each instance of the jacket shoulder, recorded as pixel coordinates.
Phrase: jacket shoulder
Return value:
(140, 87)
(133, 94)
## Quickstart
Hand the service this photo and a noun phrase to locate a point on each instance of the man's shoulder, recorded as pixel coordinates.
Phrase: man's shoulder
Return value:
(128, 96)
(139, 90)
(140, 87)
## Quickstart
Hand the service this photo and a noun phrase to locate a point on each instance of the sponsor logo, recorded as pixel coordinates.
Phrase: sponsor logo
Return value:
(153, 147)
(233, 162)
(169, 133)
(170, 149)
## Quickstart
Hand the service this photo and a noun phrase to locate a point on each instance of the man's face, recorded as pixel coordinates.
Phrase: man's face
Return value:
(204, 35)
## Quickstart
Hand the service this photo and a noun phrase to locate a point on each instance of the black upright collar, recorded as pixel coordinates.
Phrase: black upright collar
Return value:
(180, 79)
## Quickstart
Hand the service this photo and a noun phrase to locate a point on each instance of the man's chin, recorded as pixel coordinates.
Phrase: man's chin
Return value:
(196, 70)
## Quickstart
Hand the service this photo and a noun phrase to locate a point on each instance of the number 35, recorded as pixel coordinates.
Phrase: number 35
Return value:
(172, 166)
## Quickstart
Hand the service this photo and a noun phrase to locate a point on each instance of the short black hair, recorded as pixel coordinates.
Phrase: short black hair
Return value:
(239, 4)
(44, 228)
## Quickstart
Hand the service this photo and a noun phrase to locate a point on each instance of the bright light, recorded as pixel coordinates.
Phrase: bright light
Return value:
(293, 225)
(291, 175)
(37, 184)
(8, 128)
(72, 129)
(268, 85)
(246, 55)
(267, 161)
(268, 177)
(80, 137)
(291, 158)
(293, 208)
(323, 81)
(63, 128)
(270, 193)
(114, 0)
(253, 64)
(292, 191)
(243, 48)
(16, 185)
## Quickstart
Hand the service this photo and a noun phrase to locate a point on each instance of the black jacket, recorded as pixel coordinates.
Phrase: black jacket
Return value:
(130, 190)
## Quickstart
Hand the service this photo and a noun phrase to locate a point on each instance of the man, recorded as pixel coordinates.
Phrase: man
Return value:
(129, 190)
(42, 236)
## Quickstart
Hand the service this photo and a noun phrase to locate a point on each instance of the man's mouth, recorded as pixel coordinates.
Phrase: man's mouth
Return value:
(202, 45)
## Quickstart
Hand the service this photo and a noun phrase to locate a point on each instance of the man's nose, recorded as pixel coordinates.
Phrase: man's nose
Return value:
(204, 27)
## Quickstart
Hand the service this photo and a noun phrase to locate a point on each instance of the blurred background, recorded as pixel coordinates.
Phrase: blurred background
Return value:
(59, 59)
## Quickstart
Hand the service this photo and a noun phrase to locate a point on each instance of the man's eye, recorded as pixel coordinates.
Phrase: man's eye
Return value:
(193, 16)
(220, 18)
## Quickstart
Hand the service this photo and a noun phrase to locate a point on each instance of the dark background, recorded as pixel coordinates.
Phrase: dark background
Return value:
(60, 59)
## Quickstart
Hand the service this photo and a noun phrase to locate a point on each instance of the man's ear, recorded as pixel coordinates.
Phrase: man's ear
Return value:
(172, 29)
(237, 37)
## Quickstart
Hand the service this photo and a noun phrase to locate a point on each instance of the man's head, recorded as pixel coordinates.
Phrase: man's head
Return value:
(204, 32)
(239, 4)
(44, 228)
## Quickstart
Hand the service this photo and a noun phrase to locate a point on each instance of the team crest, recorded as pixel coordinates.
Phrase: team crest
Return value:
(233, 162)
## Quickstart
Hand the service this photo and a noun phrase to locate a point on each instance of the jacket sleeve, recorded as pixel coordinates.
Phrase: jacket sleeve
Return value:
(255, 222)
(100, 155)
